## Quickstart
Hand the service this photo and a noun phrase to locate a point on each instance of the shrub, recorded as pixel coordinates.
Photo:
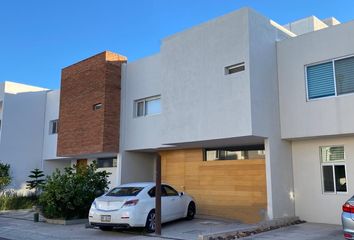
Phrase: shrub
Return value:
(69, 194)
(11, 201)
(5, 178)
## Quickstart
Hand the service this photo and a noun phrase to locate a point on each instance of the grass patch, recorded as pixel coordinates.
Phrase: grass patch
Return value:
(13, 201)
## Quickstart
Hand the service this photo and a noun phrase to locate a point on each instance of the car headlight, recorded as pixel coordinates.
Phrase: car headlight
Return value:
(93, 205)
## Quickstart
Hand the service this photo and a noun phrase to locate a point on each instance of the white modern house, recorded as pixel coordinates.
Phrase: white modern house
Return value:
(252, 118)
(22, 110)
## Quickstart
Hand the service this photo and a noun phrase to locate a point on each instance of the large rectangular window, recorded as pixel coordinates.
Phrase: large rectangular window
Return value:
(332, 78)
(334, 178)
(147, 106)
(106, 162)
(234, 153)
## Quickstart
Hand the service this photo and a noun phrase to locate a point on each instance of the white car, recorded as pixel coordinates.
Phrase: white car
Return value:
(133, 205)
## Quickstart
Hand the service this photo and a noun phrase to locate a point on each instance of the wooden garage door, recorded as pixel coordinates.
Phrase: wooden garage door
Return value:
(231, 189)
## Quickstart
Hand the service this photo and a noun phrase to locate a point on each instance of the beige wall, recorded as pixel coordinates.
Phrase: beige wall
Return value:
(310, 203)
(230, 189)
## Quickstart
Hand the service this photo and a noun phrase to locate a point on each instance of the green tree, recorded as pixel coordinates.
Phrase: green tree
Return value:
(5, 177)
(36, 181)
(69, 194)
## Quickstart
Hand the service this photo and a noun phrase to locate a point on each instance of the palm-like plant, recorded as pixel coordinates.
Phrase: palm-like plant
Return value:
(36, 181)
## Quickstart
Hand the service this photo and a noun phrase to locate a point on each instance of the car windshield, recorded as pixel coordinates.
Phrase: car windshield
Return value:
(124, 191)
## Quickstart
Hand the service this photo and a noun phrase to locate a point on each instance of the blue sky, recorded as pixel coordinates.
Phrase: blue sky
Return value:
(40, 37)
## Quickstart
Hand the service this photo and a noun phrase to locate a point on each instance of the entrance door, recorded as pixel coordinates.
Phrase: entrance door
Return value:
(81, 163)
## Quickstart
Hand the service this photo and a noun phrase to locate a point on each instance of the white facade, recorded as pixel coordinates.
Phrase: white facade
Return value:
(22, 129)
(26, 141)
(311, 203)
(201, 106)
(313, 123)
(266, 103)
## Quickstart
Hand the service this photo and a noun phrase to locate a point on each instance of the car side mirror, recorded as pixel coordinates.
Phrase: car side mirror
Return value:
(181, 194)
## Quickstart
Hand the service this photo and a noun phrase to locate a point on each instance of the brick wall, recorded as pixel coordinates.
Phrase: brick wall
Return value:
(83, 130)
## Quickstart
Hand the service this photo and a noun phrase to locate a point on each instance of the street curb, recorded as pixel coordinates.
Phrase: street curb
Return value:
(66, 222)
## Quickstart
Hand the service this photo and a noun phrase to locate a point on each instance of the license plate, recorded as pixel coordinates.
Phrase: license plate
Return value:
(105, 218)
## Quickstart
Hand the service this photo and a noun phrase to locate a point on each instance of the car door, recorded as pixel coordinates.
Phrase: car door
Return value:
(173, 202)
(165, 207)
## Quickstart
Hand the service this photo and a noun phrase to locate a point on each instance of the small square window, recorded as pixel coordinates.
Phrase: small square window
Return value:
(235, 68)
(53, 126)
(97, 106)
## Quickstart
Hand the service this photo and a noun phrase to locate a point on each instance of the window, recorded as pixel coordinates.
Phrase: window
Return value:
(235, 153)
(124, 191)
(331, 78)
(170, 191)
(147, 106)
(152, 192)
(333, 169)
(53, 126)
(106, 162)
(235, 68)
(97, 106)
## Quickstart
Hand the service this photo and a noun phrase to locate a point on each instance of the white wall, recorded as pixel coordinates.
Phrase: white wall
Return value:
(306, 25)
(137, 167)
(13, 87)
(114, 171)
(265, 114)
(310, 203)
(200, 102)
(2, 90)
(22, 134)
(140, 79)
(320, 117)
(51, 113)
(49, 166)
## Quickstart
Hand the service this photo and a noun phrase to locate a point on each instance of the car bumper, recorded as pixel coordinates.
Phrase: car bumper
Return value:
(119, 218)
(348, 225)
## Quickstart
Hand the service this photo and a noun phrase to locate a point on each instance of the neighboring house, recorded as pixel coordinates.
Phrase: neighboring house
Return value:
(22, 109)
(252, 118)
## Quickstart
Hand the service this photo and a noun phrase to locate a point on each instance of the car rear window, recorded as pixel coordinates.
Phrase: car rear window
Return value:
(124, 191)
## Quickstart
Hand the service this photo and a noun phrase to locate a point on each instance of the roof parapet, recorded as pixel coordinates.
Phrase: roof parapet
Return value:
(331, 21)
(306, 25)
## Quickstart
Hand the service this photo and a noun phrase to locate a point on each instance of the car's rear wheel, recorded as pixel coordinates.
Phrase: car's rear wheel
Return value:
(106, 228)
(150, 225)
(191, 211)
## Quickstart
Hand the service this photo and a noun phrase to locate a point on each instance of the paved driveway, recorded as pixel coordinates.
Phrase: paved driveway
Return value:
(20, 225)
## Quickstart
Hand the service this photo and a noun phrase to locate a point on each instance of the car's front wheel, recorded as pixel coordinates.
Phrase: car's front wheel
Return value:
(191, 211)
(150, 225)
(106, 228)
